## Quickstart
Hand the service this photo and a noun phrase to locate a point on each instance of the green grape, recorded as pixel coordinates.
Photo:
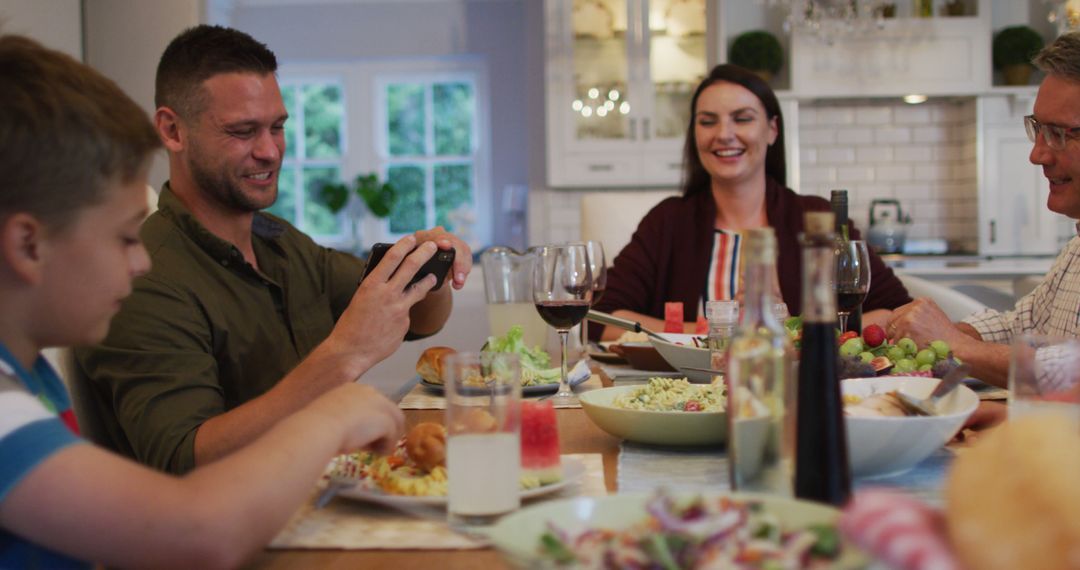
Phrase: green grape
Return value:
(904, 365)
(895, 353)
(941, 348)
(852, 347)
(926, 356)
(909, 346)
(866, 356)
(925, 367)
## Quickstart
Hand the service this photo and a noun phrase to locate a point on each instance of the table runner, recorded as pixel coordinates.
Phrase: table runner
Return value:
(354, 525)
(420, 398)
(643, 468)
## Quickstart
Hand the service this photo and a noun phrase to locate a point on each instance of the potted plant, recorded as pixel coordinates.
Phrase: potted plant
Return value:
(378, 199)
(1013, 48)
(759, 51)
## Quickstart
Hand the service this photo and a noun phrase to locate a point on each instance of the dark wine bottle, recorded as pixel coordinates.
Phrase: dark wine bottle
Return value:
(821, 460)
(842, 227)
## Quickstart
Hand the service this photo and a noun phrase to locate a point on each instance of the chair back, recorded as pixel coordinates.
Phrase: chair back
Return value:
(955, 304)
(612, 217)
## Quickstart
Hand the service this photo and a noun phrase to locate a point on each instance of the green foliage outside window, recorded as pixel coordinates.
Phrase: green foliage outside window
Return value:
(405, 112)
(409, 212)
(323, 116)
(454, 106)
(453, 188)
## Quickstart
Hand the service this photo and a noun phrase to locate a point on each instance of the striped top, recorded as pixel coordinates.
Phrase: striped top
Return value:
(31, 430)
(723, 278)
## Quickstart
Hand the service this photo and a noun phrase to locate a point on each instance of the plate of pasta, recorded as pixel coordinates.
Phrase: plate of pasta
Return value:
(665, 411)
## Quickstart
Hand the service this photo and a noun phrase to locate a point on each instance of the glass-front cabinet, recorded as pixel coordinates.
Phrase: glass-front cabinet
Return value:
(620, 76)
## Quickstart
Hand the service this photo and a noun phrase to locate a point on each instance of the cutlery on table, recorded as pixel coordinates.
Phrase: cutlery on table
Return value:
(928, 406)
(626, 324)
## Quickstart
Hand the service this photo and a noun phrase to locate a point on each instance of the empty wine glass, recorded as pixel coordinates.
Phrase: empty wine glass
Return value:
(852, 277)
(598, 266)
(562, 290)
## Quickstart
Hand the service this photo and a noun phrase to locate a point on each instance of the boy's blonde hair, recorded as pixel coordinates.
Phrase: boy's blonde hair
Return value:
(65, 132)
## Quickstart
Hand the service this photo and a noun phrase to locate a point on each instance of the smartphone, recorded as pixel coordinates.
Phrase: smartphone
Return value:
(439, 264)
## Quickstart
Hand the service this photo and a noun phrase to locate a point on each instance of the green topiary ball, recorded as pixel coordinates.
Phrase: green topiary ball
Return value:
(757, 50)
(1016, 45)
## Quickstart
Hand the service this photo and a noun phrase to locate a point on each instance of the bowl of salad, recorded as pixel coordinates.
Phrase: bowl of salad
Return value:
(666, 411)
(687, 353)
(675, 531)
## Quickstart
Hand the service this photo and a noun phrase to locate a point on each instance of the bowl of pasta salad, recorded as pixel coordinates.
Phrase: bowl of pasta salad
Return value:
(665, 411)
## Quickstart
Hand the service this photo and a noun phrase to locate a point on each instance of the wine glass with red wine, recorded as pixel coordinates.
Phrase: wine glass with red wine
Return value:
(852, 278)
(598, 266)
(562, 291)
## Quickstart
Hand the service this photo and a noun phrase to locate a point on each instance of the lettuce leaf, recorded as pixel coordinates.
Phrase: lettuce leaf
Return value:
(535, 362)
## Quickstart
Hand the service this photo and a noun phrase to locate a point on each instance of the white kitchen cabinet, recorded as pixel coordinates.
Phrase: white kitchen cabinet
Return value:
(620, 76)
(1013, 218)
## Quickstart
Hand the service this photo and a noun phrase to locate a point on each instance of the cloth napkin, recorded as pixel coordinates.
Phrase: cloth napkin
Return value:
(902, 532)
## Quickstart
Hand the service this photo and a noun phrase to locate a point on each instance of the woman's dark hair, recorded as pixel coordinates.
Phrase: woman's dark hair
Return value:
(695, 178)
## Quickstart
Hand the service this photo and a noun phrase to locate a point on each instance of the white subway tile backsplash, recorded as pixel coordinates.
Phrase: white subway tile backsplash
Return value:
(848, 174)
(944, 153)
(817, 174)
(929, 171)
(919, 153)
(911, 115)
(816, 136)
(930, 134)
(835, 116)
(893, 172)
(836, 155)
(865, 154)
(807, 155)
(892, 134)
(855, 135)
(873, 116)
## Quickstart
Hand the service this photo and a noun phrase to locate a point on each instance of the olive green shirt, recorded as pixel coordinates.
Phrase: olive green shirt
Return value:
(204, 331)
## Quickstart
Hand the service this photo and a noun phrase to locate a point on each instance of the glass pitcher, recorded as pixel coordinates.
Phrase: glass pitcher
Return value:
(508, 291)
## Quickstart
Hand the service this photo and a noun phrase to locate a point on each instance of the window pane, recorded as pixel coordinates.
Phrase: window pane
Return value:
(409, 209)
(317, 218)
(405, 116)
(454, 108)
(323, 114)
(285, 206)
(288, 94)
(453, 187)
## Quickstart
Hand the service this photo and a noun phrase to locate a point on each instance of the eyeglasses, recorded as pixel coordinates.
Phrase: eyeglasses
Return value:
(1054, 135)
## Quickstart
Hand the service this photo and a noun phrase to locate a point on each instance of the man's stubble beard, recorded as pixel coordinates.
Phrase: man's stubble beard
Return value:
(220, 188)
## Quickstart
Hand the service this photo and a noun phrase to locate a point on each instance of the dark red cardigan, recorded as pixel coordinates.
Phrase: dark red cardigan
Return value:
(668, 257)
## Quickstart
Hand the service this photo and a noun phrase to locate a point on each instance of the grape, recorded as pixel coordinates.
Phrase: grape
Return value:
(895, 353)
(908, 345)
(940, 347)
(926, 368)
(904, 365)
(943, 367)
(866, 356)
(926, 356)
(852, 347)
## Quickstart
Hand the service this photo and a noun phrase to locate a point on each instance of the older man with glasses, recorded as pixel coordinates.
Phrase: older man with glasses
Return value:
(1052, 308)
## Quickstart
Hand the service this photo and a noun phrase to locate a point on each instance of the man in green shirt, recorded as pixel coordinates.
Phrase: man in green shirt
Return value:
(243, 319)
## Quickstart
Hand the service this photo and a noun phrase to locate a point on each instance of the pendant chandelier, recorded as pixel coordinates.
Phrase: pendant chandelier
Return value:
(828, 20)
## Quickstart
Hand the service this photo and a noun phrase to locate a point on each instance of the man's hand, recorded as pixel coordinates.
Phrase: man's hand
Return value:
(923, 321)
(377, 318)
(366, 418)
(446, 240)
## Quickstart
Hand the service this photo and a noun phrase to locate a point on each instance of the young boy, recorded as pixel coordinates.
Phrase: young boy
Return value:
(74, 156)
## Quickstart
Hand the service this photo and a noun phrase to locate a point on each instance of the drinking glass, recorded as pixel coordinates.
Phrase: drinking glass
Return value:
(598, 266)
(483, 444)
(1044, 376)
(852, 278)
(562, 290)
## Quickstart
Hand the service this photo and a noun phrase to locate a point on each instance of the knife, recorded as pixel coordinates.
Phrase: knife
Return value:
(607, 319)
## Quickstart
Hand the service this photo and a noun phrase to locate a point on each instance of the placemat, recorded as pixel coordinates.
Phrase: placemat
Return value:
(420, 398)
(643, 468)
(355, 525)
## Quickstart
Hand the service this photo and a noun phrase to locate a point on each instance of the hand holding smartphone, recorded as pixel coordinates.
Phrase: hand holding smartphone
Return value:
(439, 264)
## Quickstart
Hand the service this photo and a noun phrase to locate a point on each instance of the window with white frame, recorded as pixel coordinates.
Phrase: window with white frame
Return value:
(314, 151)
(428, 148)
(422, 126)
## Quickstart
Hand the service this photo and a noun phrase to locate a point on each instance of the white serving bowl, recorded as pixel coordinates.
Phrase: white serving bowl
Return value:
(680, 351)
(662, 428)
(885, 446)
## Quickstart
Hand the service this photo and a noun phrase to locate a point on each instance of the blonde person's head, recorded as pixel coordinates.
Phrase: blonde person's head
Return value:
(66, 132)
(1061, 57)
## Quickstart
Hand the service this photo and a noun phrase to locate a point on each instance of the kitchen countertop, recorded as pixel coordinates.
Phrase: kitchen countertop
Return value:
(974, 266)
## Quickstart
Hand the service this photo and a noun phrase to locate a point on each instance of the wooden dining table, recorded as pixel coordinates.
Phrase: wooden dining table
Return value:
(577, 434)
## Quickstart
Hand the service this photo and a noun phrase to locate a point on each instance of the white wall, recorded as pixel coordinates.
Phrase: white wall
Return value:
(124, 40)
(54, 23)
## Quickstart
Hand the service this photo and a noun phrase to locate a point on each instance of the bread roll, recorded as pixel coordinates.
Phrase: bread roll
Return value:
(426, 445)
(1012, 499)
(430, 365)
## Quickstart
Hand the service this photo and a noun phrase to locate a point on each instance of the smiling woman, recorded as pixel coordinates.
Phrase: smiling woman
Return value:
(687, 248)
